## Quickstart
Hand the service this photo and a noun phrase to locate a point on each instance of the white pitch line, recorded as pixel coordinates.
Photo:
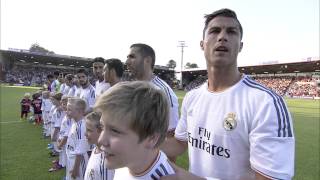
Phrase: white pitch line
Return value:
(10, 122)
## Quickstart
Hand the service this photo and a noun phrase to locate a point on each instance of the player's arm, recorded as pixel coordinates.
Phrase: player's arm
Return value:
(55, 134)
(62, 142)
(75, 170)
(181, 174)
(173, 147)
(260, 177)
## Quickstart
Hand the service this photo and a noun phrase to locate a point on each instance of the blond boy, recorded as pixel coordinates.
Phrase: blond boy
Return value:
(56, 119)
(96, 168)
(46, 107)
(135, 117)
(77, 143)
(63, 134)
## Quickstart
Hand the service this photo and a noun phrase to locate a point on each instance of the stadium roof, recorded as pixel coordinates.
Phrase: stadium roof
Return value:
(25, 56)
(295, 67)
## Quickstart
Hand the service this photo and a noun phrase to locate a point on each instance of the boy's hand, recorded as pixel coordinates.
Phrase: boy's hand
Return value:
(74, 173)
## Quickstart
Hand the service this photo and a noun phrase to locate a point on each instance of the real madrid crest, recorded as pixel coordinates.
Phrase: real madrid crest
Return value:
(230, 122)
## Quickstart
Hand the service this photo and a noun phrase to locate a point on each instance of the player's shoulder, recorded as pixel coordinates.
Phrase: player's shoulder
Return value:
(258, 90)
(197, 91)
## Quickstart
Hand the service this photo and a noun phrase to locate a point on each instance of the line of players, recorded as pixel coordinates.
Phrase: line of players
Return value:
(232, 127)
(73, 123)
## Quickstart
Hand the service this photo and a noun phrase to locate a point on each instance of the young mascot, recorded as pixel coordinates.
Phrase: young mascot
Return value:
(135, 118)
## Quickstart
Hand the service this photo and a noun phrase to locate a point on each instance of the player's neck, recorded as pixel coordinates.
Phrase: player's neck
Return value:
(146, 76)
(220, 79)
(85, 86)
(114, 81)
(101, 79)
(146, 162)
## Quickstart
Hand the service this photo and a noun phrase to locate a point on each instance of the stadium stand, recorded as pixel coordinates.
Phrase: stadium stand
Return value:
(22, 67)
(297, 79)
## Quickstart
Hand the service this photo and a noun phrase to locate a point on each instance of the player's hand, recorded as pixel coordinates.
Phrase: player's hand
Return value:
(180, 174)
(74, 173)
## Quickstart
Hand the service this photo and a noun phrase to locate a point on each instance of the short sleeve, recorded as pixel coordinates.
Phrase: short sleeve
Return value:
(272, 141)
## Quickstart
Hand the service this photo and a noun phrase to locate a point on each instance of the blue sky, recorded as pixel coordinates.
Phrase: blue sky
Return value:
(274, 30)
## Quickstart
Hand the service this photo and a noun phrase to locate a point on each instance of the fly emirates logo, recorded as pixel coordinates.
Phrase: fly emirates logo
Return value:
(203, 142)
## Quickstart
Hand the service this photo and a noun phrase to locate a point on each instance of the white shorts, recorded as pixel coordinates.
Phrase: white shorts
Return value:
(82, 169)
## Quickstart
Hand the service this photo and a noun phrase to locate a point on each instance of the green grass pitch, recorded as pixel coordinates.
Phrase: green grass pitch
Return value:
(23, 153)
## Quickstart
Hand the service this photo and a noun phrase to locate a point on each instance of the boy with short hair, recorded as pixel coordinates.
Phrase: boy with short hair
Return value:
(62, 137)
(135, 118)
(77, 144)
(36, 104)
(96, 168)
(56, 120)
(25, 106)
(45, 108)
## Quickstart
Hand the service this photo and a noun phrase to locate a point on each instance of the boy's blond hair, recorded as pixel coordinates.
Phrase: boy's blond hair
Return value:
(46, 94)
(78, 103)
(27, 94)
(94, 117)
(141, 104)
(57, 96)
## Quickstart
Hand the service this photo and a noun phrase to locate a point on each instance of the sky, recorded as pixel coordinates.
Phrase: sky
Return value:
(274, 30)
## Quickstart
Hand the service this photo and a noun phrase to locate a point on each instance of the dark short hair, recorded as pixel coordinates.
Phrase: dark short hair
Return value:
(82, 71)
(56, 73)
(50, 76)
(98, 59)
(145, 51)
(222, 13)
(69, 77)
(115, 64)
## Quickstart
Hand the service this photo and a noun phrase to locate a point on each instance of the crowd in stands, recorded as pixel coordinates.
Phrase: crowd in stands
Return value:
(291, 86)
(304, 87)
(277, 84)
(33, 76)
(195, 83)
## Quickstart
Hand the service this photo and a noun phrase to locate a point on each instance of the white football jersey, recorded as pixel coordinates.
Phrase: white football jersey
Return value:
(159, 168)
(96, 168)
(65, 90)
(65, 127)
(57, 117)
(101, 87)
(46, 105)
(50, 116)
(61, 88)
(77, 144)
(172, 100)
(233, 133)
(88, 94)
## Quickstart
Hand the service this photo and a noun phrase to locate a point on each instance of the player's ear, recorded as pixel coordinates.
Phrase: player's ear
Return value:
(201, 45)
(241, 46)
